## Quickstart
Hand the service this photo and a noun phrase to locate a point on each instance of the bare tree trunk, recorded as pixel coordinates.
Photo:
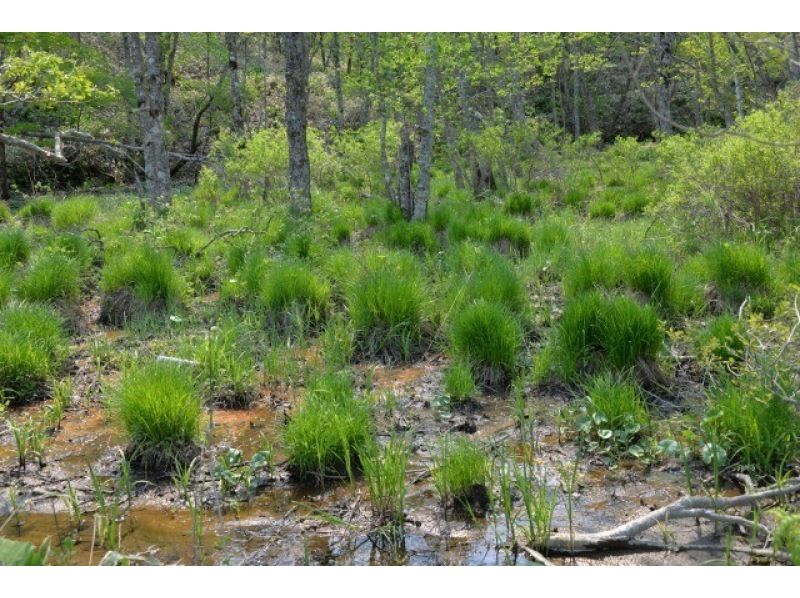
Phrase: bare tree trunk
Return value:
(337, 83)
(296, 49)
(387, 172)
(794, 56)
(147, 71)
(265, 97)
(5, 190)
(576, 102)
(237, 112)
(664, 48)
(426, 130)
(405, 161)
(169, 70)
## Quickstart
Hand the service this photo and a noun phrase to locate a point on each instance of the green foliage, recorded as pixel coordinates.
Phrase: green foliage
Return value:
(385, 474)
(458, 382)
(32, 349)
(602, 208)
(40, 208)
(519, 203)
(614, 416)
(51, 278)
(738, 271)
(138, 281)
(787, 534)
(721, 340)
(328, 432)
(759, 430)
(413, 236)
(14, 247)
(74, 212)
(292, 289)
(460, 473)
(487, 336)
(386, 304)
(596, 330)
(159, 409)
(23, 554)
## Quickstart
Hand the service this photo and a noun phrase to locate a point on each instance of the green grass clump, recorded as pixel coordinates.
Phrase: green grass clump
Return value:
(32, 349)
(159, 409)
(74, 212)
(593, 270)
(519, 203)
(292, 294)
(759, 430)
(413, 236)
(739, 271)
(634, 203)
(385, 474)
(386, 304)
(722, 340)
(550, 234)
(461, 474)
(52, 277)
(651, 272)
(300, 245)
(137, 282)
(614, 416)
(597, 330)
(7, 280)
(40, 208)
(5, 212)
(495, 280)
(458, 382)
(14, 247)
(509, 235)
(341, 230)
(487, 336)
(602, 208)
(381, 211)
(329, 431)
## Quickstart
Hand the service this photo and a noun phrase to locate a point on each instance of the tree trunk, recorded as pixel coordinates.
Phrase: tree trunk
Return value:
(5, 190)
(337, 83)
(664, 48)
(426, 130)
(237, 111)
(147, 70)
(296, 49)
(794, 56)
(405, 161)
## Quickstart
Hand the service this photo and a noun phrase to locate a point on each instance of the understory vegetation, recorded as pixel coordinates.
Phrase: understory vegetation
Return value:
(627, 303)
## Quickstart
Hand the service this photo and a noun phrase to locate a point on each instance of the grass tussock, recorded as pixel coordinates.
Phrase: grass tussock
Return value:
(159, 409)
(461, 474)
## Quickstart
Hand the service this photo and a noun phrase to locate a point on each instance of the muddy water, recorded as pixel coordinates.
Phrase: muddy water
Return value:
(282, 523)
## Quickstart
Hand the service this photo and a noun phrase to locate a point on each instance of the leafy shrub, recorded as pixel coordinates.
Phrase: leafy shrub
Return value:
(738, 271)
(759, 430)
(14, 247)
(74, 212)
(159, 409)
(722, 340)
(291, 290)
(596, 330)
(137, 282)
(51, 278)
(602, 208)
(458, 382)
(328, 431)
(32, 348)
(386, 304)
(461, 475)
(487, 336)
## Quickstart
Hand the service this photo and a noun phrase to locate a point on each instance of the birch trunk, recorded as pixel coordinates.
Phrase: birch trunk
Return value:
(296, 49)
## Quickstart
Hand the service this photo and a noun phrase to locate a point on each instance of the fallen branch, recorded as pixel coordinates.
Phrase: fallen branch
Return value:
(55, 156)
(230, 233)
(707, 507)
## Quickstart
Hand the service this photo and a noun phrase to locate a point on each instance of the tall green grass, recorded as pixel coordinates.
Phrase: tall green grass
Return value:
(159, 409)
(74, 212)
(52, 277)
(14, 247)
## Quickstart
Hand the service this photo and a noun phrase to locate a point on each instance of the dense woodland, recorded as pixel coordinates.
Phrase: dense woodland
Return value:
(382, 298)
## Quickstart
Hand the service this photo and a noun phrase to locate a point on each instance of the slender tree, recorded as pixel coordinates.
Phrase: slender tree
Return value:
(296, 51)
(232, 42)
